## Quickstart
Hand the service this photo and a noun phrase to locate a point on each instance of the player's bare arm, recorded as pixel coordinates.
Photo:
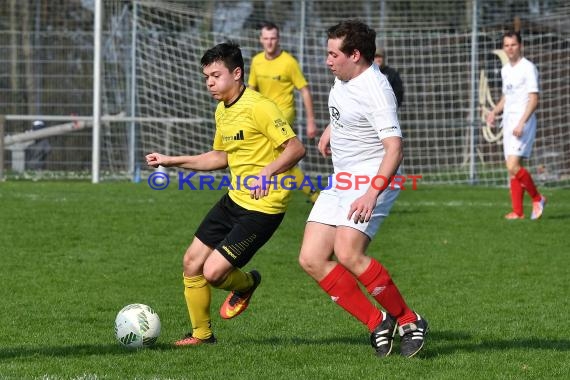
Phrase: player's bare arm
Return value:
(324, 145)
(293, 152)
(309, 112)
(361, 209)
(212, 160)
(495, 111)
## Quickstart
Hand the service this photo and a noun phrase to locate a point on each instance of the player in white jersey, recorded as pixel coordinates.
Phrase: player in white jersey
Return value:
(518, 105)
(366, 142)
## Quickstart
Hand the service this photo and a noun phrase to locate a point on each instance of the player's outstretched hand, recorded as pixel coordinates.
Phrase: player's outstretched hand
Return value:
(156, 159)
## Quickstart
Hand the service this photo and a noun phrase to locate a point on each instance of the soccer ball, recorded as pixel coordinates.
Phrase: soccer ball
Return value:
(137, 325)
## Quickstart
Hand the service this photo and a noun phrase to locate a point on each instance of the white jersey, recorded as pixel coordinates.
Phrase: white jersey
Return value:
(362, 114)
(518, 81)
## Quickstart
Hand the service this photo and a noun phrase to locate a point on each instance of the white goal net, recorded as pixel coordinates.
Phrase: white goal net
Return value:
(447, 53)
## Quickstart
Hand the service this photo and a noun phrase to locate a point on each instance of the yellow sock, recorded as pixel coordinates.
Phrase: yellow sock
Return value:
(236, 280)
(306, 189)
(299, 177)
(198, 297)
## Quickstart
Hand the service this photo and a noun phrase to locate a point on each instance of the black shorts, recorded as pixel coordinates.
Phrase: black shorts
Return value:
(237, 233)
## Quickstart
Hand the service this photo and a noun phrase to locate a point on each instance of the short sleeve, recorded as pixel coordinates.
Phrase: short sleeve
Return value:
(386, 123)
(218, 145)
(272, 123)
(532, 81)
(297, 76)
(252, 78)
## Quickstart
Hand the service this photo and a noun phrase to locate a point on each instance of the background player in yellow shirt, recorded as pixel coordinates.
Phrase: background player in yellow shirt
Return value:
(276, 74)
(253, 139)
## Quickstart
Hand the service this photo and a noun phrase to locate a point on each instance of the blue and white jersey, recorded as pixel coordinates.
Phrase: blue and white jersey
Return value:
(363, 112)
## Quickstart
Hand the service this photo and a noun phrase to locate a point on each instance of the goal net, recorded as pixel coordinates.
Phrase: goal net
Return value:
(447, 53)
(443, 112)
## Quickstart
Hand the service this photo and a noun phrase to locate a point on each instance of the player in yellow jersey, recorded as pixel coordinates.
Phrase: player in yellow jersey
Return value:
(276, 74)
(255, 141)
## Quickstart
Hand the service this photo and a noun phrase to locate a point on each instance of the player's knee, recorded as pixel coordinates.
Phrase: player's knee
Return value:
(213, 275)
(191, 264)
(187, 263)
(513, 169)
(350, 260)
(308, 262)
(303, 260)
(513, 164)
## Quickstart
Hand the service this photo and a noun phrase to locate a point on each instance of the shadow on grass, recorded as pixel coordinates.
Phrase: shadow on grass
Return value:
(438, 343)
(76, 350)
(556, 216)
(450, 342)
(115, 349)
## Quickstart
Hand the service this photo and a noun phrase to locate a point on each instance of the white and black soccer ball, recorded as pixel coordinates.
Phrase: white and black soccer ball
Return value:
(137, 325)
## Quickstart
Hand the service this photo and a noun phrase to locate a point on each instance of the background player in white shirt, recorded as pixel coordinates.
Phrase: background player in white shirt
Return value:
(365, 140)
(518, 104)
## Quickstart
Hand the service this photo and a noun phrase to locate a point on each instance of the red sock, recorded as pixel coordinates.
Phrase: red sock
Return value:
(517, 194)
(344, 290)
(379, 284)
(527, 183)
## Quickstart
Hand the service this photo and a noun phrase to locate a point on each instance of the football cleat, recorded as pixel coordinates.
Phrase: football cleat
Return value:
(383, 335)
(190, 340)
(513, 216)
(237, 302)
(538, 208)
(412, 336)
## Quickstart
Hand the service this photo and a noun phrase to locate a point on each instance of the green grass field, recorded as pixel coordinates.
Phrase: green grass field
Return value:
(73, 254)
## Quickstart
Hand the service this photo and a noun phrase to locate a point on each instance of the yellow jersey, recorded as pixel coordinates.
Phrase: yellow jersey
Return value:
(251, 131)
(276, 79)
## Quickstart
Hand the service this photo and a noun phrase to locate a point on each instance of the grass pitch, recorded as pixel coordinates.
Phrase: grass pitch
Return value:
(72, 254)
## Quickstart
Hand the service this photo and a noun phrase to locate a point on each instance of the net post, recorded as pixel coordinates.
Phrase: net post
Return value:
(2, 129)
(96, 149)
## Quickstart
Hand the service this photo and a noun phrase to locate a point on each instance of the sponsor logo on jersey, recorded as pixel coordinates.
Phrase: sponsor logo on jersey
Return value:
(335, 113)
(279, 123)
(392, 128)
(237, 137)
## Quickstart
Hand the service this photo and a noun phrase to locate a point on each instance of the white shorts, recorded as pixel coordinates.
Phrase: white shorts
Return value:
(518, 146)
(332, 208)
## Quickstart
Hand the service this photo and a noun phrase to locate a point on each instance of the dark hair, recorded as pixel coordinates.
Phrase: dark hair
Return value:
(228, 52)
(269, 26)
(513, 34)
(357, 36)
